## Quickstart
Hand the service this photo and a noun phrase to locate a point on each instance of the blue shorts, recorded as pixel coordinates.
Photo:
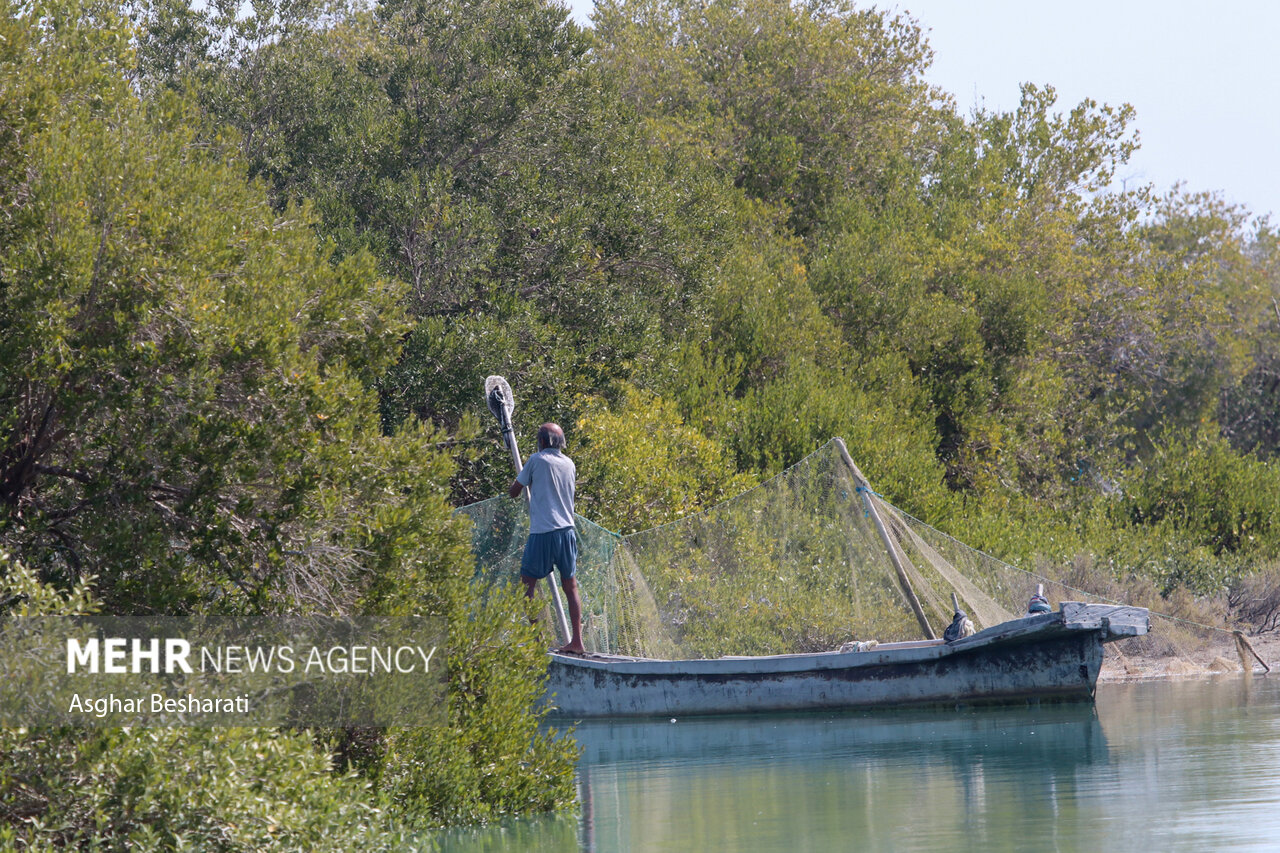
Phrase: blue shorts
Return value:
(555, 548)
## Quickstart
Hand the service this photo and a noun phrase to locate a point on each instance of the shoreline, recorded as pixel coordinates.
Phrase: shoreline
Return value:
(1173, 662)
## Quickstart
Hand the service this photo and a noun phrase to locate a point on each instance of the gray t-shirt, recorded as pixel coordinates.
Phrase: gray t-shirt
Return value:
(549, 476)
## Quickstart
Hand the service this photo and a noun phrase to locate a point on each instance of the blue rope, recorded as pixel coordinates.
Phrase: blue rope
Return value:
(865, 491)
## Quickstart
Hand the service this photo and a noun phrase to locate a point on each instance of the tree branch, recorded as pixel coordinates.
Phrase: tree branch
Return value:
(59, 471)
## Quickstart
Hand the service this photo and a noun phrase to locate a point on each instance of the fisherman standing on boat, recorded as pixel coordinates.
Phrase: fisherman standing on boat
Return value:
(553, 543)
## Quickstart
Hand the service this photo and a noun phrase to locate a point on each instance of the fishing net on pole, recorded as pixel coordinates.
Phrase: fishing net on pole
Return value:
(808, 561)
(1175, 645)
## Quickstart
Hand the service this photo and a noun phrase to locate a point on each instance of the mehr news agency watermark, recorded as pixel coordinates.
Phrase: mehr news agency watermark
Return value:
(123, 672)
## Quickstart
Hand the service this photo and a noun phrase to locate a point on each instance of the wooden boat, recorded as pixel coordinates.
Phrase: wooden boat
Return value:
(1053, 656)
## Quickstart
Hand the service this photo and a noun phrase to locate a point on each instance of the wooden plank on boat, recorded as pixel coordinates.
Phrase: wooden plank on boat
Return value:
(1113, 619)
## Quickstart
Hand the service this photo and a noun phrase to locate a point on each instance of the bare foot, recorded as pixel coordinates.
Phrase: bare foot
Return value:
(571, 649)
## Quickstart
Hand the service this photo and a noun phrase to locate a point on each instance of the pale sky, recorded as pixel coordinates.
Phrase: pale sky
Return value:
(1204, 77)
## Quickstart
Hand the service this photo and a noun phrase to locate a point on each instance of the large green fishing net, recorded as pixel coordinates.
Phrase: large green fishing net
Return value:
(807, 561)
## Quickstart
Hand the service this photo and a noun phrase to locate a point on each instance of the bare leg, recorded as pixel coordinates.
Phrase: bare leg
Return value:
(570, 586)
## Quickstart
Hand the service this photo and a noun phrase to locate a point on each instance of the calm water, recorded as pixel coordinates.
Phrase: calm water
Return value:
(1155, 766)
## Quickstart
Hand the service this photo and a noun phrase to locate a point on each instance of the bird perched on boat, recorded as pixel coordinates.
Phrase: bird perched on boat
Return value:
(961, 625)
(1038, 604)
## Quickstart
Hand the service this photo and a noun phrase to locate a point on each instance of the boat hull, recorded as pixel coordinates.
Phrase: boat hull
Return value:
(1048, 656)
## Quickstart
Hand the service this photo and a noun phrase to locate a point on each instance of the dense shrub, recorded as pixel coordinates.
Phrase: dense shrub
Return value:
(1209, 494)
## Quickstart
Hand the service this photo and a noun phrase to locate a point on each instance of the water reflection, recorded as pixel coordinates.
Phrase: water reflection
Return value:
(1166, 766)
(1197, 764)
(819, 782)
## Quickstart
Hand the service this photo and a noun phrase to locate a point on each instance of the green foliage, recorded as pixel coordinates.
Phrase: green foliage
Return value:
(1214, 497)
(643, 466)
(492, 759)
(797, 104)
(164, 789)
(185, 372)
(779, 383)
(35, 620)
(472, 148)
(832, 248)
(181, 788)
(190, 417)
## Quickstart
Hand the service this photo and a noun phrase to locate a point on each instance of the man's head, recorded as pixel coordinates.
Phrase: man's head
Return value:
(550, 435)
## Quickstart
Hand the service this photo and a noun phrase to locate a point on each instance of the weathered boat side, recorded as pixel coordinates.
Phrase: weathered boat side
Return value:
(1050, 655)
